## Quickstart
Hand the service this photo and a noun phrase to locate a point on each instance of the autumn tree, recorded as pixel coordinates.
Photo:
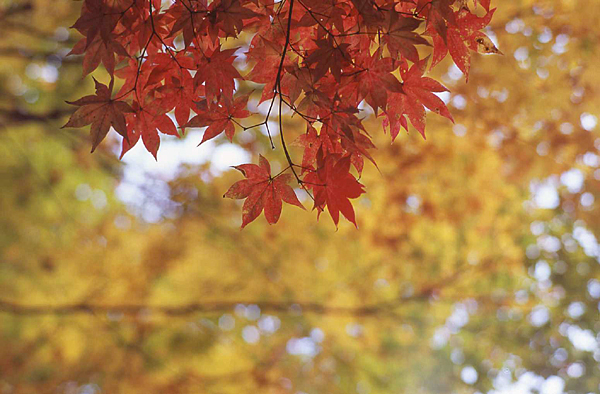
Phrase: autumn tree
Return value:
(329, 63)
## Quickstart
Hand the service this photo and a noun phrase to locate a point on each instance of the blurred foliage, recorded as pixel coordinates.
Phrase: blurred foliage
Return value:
(476, 263)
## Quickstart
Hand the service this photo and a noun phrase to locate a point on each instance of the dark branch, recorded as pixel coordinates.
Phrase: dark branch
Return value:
(381, 309)
(15, 115)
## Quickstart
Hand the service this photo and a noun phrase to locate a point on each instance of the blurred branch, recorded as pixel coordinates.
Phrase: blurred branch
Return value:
(386, 308)
(15, 115)
(27, 53)
(28, 29)
(15, 9)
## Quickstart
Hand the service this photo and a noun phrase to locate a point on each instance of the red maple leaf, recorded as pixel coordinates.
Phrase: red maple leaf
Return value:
(230, 16)
(439, 15)
(377, 80)
(146, 123)
(333, 186)
(102, 112)
(219, 118)
(179, 93)
(217, 74)
(329, 56)
(311, 143)
(484, 3)
(401, 38)
(262, 191)
(461, 37)
(417, 93)
(190, 19)
(98, 51)
(96, 16)
(421, 89)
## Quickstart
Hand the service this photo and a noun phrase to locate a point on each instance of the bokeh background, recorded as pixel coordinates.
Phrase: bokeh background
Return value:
(475, 268)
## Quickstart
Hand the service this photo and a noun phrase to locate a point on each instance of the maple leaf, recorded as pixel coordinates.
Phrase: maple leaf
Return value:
(311, 143)
(102, 112)
(219, 118)
(180, 94)
(417, 93)
(328, 56)
(218, 74)
(369, 14)
(401, 38)
(230, 16)
(354, 139)
(96, 17)
(333, 186)
(377, 80)
(98, 51)
(134, 77)
(461, 37)
(329, 12)
(262, 191)
(421, 89)
(402, 106)
(191, 20)
(268, 56)
(314, 97)
(156, 24)
(484, 3)
(146, 123)
(439, 15)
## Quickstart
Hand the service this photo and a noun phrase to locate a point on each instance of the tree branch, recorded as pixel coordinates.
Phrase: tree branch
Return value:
(384, 308)
(16, 115)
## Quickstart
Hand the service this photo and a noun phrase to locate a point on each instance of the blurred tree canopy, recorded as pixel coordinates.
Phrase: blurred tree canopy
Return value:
(475, 268)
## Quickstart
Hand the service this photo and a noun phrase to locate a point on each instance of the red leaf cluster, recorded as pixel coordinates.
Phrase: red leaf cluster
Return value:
(322, 59)
(262, 191)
